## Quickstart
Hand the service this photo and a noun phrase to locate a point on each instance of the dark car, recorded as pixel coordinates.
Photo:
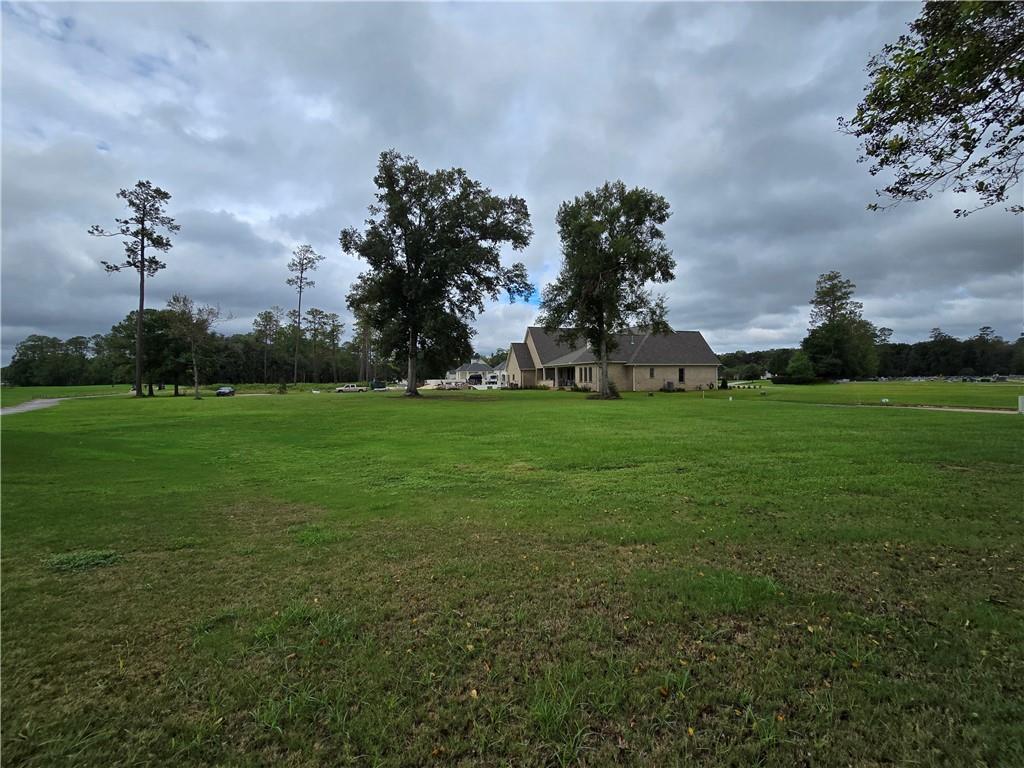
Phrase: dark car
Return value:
(226, 392)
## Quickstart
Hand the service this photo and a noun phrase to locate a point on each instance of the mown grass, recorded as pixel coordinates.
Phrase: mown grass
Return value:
(940, 393)
(512, 578)
(81, 561)
(16, 395)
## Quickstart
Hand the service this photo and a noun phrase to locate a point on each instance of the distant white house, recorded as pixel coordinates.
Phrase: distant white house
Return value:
(500, 374)
(474, 372)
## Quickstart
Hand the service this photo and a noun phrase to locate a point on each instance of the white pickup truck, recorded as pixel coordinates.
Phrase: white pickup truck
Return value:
(350, 388)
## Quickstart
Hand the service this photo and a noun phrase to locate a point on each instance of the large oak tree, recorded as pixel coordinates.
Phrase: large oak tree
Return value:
(432, 245)
(140, 230)
(613, 247)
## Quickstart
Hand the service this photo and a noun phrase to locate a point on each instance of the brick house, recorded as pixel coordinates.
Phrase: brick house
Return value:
(640, 362)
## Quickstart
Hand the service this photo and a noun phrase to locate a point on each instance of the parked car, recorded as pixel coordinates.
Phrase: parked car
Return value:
(226, 392)
(350, 388)
(378, 386)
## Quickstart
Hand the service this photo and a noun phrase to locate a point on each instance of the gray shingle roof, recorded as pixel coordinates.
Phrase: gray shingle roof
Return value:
(576, 357)
(502, 365)
(687, 347)
(638, 348)
(548, 346)
(474, 368)
(522, 354)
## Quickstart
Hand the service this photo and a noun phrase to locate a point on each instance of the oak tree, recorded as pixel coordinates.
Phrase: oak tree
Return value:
(945, 105)
(432, 245)
(613, 247)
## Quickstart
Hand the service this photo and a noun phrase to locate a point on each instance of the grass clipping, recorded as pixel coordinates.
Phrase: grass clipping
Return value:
(82, 560)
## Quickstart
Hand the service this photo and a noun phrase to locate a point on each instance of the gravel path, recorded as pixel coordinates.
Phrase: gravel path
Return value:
(31, 405)
(49, 402)
(936, 408)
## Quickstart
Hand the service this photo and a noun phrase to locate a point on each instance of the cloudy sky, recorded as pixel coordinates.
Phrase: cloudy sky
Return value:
(265, 121)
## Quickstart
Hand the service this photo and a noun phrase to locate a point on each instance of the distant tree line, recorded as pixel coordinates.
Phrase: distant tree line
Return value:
(178, 348)
(841, 344)
(984, 354)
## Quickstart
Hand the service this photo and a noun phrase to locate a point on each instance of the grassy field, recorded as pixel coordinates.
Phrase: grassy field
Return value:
(511, 579)
(967, 395)
(941, 393)
(17, 395)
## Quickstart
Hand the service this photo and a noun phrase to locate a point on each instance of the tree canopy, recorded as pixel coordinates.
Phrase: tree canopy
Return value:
(840, 342)
(613, 247)
(432, 245)
(945, 105)
(191, 324)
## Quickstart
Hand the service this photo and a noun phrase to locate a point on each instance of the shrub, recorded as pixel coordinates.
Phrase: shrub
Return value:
(799, 371)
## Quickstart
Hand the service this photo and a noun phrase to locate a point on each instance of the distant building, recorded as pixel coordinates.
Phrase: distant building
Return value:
(640, 362)
(474, 372)
(500, 374)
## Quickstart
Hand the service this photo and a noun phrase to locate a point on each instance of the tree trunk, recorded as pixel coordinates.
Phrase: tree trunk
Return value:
(195, 370)
(410, 387)
(138, 320)
(605, 390)
(151, 389)
(265, 380)
(298, 337)
(176, 393)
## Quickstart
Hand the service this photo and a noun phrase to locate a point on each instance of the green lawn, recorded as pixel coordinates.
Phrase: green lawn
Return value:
(963, 394)
(17, 395)
(525, 578)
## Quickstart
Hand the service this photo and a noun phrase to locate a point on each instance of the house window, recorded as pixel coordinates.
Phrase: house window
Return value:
(590, 374)
(682, 375)
(652, 373)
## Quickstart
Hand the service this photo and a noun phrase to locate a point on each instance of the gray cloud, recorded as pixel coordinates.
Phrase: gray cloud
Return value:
(265, 121)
